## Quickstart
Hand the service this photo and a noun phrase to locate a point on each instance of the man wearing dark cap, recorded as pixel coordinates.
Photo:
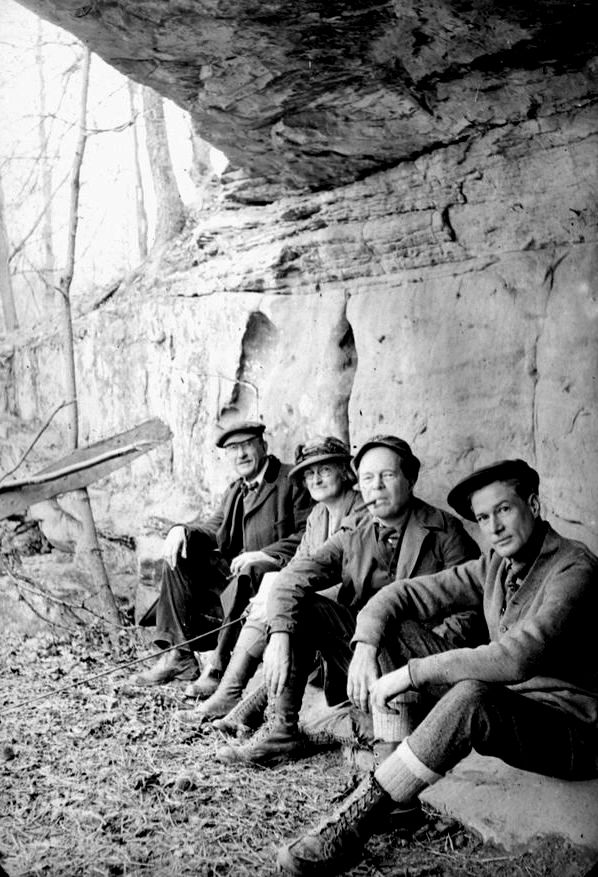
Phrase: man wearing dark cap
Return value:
(529, 696)
(397, 535)
(212, 567)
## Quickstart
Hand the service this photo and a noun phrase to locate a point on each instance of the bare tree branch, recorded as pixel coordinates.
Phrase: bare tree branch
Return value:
(39, 218)
(35, 440)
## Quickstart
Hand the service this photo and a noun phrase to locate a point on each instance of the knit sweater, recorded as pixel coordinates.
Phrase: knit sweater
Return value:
(542, 637)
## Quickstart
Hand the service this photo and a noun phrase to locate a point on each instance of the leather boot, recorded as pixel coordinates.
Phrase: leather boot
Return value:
(336, 844)
(206, 685)
(274, 743)
(241, 668)
(174, 664)
(246, 716)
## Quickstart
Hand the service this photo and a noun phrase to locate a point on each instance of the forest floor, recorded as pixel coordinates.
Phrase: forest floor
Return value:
(98, 782)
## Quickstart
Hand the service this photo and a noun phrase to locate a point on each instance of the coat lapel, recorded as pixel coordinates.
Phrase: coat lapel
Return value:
(421, 520)
(255, 500)
(415, 533)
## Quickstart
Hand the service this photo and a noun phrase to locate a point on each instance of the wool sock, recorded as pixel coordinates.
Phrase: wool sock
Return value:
(403, 776)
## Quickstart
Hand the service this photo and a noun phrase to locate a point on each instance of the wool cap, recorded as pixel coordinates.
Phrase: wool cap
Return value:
(398, 445)
(249, 428)
(501, 470)
(321, 449)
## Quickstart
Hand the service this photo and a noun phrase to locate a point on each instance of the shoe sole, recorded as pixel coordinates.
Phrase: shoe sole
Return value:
(286, 863)
(265, 761)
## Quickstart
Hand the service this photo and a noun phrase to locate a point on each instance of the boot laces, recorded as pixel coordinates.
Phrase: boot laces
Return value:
(342, 826)
(250, 704)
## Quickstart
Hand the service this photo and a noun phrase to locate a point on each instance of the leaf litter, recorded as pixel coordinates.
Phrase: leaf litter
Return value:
(101, 781)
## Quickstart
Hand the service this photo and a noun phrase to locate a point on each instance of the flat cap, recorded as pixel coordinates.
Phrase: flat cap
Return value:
(501, 470)
(398, 445)
(247, 427)
(321, 449)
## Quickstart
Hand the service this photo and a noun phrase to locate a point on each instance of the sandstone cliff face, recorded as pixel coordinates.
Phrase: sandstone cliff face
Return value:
(411, 246)
(451, 300)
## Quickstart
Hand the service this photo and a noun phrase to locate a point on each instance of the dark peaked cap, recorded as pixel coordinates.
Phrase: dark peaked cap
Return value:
(398, 445)
(502, 470)
(248, 427)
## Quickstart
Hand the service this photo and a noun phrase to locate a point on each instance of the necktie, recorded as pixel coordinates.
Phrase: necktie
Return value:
(388, 539)
(248, 486)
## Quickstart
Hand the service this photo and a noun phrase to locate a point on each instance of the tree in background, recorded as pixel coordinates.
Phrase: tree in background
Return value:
(6, 294)
(45, 173)
(88, 546)
(170, 212)
(134, 90)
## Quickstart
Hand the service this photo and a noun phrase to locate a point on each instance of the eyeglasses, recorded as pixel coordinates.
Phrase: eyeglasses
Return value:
(318, 472)
(232, 449)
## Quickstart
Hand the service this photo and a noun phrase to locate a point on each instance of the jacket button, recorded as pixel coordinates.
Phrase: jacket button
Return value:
(503, 628)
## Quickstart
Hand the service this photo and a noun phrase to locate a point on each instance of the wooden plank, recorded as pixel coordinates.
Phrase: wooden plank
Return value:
(82, 467)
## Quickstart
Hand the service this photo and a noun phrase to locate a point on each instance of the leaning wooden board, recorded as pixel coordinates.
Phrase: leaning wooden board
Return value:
(82, 467)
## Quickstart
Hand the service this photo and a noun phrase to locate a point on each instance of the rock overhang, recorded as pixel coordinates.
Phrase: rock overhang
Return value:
(310, 95)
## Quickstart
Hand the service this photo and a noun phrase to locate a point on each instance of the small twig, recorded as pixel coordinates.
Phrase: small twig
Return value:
(36, 439)
(43, 618)
(18, 578)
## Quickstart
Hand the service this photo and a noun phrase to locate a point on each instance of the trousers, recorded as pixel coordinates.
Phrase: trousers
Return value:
(200, 595)
(492, 719)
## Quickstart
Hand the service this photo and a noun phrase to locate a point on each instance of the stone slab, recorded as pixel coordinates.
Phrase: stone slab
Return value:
(504, 805)
(510, 807)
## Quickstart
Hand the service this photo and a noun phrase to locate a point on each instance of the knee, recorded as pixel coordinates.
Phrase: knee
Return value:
(469, 693)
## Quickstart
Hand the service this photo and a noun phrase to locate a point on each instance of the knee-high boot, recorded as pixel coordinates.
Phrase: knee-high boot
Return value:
(242, 665)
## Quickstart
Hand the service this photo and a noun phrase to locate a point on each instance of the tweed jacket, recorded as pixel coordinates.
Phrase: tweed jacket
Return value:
(273, 519)
(542, 638)
(433, 540)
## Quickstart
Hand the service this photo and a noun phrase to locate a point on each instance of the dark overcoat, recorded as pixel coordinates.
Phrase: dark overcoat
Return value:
(273, 519)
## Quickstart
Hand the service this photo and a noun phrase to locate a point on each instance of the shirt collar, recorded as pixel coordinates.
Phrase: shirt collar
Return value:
(257, 479)
(397, 526)
(519, 568)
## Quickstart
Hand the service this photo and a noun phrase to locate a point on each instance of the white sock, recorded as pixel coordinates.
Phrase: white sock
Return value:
(403, 776)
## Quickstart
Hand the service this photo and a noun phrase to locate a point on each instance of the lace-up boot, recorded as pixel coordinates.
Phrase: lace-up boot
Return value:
(336, 844)
(241, 668)
(246, 716)
(274, 743)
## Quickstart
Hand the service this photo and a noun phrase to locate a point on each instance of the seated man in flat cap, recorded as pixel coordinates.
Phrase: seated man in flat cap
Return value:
(529, 696)
(398, 535)
(212, 567)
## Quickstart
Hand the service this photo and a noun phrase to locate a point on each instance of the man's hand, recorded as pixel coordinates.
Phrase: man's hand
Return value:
(363, 672)
(277, 663)
(388, 686)
(175, 544)
(247, 557)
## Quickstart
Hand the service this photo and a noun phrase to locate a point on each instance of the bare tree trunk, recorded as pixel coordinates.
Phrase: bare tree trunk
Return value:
(139, 198)
(88, 546)
(202, 163)
(46, 176)
(9, 311)
(170, 212)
